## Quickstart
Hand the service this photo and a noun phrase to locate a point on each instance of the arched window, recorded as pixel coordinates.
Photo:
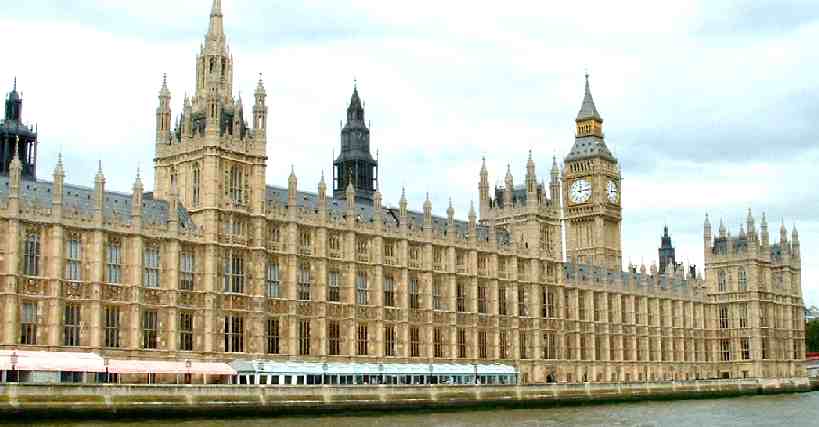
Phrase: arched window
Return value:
(743, 279)
(722, 281)
(236, 184)
(195, 178)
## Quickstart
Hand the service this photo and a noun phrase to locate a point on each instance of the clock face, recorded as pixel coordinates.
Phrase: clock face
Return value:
(580, 191)
(611, 189)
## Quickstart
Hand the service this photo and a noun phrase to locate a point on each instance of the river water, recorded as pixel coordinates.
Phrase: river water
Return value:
(789, 410)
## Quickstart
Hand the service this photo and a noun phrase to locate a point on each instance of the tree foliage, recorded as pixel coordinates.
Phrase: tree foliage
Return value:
(812, 336)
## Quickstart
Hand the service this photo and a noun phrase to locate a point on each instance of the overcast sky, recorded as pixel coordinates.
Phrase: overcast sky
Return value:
(709, 106)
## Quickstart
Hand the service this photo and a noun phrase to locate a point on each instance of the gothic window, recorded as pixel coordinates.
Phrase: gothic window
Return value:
(743, 315)
(722, 281)
(71, 325)
(725, 349)
(582, 306)
(234, 334)
(482, 299)
(362, 292)
(523, 308)
(236, 186)
(437, 303)
(414, 293)
(186, 269)
(745, 343)
(274, 235)
(151, 269)
(186, 331)
(461, 343)
(72, 257)
(483, 352)
(306, 241)
(438, 342)
(437, 258)
(31, 254)
(272, 332)
(333, 286)
(195, 185)
(28, 324)
(361, 342)
(234, 272)
(460, 297)
(523, 345)
(549, 345)
(112, 327)
(272, 279)
(389, 290)
(363, 249)
(623, 313)
(723, 316)
(305, 281)
(743, 279)
(334, 245)
(389, 341)
(149, 329)
(304, 337)
(113, 261)
(333, 338)
(414, 256)
(415, 342)
(503, 343)
(501, 300)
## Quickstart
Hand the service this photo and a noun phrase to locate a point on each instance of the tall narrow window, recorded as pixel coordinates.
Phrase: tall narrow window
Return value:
(415, 341)
(31, 255)
(414, 293)
(482, 299)
(149, 329)
(362, 295)
(461, 343)
(304, 281)
(723, 316)
(361, 347)
(272, 279)
(333, 338)
(186, 268)
(333, 286)
(389, 290)
(236, 185)
(549, 345)
(113, 261)
(72, 257)
(195, 178)
(304, 337)
(234, 334)
(743, 315)
(234, 273)
(437, 303)
(725, 348)
(746, 348)
(523, 308)
(483, 352)
(71, 325)
(28, 324)
(272, 332)
(722, 281)
(389, 340)
(743, 280)
(503, 344)
(460, 297)
(151, 268)
(522, 343)
(112, 327)
(186, 331)
(501, 300)
(438, 342)
(306, 241)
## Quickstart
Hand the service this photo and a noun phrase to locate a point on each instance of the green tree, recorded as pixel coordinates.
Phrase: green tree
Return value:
(812, 336)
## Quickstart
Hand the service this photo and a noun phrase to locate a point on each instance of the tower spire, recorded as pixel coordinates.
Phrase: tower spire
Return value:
(216, 28)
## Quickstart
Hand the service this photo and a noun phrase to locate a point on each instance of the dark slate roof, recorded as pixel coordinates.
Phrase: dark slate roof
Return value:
(588, 110)
(338, 208)
(38, 193)
(589, 147)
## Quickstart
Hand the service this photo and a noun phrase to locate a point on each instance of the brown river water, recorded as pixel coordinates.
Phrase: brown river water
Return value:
(787, 410)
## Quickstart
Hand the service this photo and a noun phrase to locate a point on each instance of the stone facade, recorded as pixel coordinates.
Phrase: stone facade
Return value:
(216, 265)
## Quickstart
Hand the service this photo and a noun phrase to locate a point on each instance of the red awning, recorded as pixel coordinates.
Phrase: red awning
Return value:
(50, 361)
(168, 367)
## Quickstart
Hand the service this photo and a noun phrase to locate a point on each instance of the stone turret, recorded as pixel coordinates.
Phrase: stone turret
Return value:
(508, 188)
(483, 191)
(57, 194)
(99, 194)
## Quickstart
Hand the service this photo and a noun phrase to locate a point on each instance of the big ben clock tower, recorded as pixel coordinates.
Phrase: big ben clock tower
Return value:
(591, 193)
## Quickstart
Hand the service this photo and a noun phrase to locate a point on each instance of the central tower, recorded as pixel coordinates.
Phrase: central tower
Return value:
(355, 164)
(591, 193)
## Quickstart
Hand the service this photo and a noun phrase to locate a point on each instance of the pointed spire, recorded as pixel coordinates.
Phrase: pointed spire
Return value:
(472, 214)
(164, 92)
(588, 110)
(555, 167)
(216, 29)
(707, 221)
(99, 175)
(402, 204)
(450, 212)
(260, 86)
(484, 172)
(509, 178)
(58, 169)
